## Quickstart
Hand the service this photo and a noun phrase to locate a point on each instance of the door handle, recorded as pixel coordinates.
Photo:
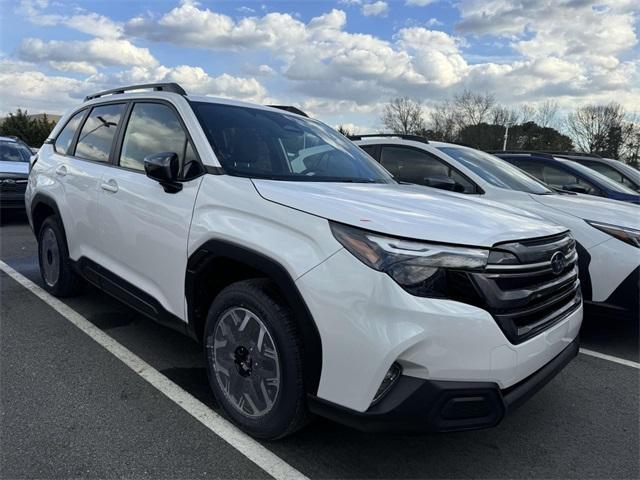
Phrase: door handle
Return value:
(110, 186)
(61, 170)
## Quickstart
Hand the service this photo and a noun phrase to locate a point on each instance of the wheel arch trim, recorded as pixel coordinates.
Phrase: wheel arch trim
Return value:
(222, 249)
(42, 199)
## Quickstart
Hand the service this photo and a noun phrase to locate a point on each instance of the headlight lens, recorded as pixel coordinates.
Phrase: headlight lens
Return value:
(419, 267)
(626, 234)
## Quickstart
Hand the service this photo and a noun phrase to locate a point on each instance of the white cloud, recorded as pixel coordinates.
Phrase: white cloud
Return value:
(375, 8)
(90, 23)
(75, 67)
(419, 3)
(94, 24)
(244, 9)
(198, 82)
(576, 54)
(262, 70)
(101, 52)
(194, 27)
(25, 87)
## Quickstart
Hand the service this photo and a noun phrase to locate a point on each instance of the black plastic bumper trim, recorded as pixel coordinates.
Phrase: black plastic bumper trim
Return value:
(418, 405)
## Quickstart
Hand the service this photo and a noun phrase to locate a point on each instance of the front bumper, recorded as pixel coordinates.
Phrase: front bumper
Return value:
(418, 405)
(366, 322)
(12, 201)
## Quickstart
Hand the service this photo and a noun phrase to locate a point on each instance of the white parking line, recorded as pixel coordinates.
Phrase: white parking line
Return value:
(604, 356)
(247, 446)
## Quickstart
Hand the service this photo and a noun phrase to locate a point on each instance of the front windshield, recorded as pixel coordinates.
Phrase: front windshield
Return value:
(496, 171)
(256, 143)
(14, 152)
(590, 173)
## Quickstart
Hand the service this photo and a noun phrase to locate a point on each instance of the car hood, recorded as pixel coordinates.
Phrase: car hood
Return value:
(589, 207)
(14, 167)
(408, 211)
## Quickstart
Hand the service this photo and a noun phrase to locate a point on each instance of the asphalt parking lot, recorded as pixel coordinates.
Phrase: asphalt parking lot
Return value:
(69, 408)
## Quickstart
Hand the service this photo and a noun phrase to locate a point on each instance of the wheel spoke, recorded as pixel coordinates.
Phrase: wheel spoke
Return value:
(246, 362)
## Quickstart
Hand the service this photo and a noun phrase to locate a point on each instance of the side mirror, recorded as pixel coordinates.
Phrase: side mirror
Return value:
(164, 168)
(575, 188)
(441, 181)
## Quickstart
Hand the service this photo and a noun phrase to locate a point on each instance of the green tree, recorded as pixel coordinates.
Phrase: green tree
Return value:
(531, 136)
(33, 131)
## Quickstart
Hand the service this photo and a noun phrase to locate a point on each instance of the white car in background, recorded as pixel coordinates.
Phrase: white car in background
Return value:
(607, 231)
(14, 171)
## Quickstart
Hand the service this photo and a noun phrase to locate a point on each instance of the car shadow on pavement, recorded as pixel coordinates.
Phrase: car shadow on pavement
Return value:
(13, 217)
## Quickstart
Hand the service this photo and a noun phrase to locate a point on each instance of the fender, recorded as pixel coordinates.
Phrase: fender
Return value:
(219, 250)
(42, 199)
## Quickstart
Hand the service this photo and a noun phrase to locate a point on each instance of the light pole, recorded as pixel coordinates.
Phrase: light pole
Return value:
(506, 136)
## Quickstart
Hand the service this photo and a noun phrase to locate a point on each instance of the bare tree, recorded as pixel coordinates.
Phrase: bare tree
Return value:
(600, 128)
(546, 113)
(444, 121)
(473, 108)
(403, 115)
(527, 113)
(504, 116)
(632, 146)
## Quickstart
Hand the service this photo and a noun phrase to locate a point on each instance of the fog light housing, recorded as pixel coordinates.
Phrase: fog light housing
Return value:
(389, 380)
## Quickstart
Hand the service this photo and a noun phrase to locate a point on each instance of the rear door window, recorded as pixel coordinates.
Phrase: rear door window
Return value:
(62, 144)
(97, 134)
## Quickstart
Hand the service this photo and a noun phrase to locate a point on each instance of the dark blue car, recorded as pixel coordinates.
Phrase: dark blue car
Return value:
(568, 175)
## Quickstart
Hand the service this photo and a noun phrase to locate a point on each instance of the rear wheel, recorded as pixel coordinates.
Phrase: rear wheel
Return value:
(254, 360)
(56, 269)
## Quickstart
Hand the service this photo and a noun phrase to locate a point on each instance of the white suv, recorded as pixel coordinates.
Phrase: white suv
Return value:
(607, 232)
(320, 286)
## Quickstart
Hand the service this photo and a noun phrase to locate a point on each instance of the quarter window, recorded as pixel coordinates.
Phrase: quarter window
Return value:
(98, 132)
(63, 142)
(153, 128)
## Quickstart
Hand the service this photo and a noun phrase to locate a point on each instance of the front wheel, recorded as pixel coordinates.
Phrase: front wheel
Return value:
(254, 360)
(56, 269)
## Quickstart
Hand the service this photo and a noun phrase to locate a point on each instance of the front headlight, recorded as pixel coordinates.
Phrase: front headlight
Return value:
(626, 234)
(419, 267)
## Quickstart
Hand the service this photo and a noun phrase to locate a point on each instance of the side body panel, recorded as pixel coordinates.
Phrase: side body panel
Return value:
(230, 209)
(144, 232)
(73, 184)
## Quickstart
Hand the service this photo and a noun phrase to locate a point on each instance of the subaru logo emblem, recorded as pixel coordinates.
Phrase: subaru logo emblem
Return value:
(557, 263)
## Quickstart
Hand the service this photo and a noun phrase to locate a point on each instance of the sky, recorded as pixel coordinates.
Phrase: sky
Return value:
(340, 61)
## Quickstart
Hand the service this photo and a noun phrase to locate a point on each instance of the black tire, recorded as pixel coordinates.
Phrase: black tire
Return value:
(288, 412)
(53, 256)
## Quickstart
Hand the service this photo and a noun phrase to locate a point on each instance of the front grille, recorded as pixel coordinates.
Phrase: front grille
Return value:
(528, 297)
(11, 185)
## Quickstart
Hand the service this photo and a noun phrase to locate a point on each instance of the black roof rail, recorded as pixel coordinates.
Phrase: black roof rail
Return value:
(159, 87)
(289, 108)
(521, 152)
(404, 136)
